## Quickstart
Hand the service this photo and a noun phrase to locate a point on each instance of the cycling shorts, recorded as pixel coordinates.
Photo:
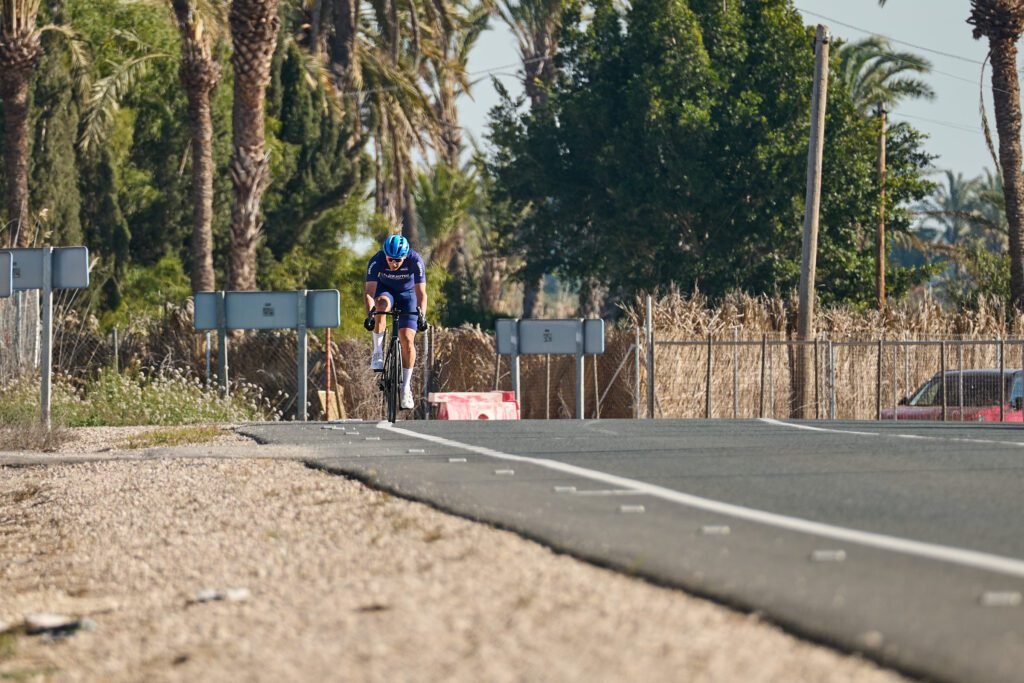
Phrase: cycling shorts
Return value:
(402, 301)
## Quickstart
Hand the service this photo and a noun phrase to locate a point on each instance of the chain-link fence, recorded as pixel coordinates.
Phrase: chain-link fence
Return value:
(954, 379)
(724, 375)
(19, 335)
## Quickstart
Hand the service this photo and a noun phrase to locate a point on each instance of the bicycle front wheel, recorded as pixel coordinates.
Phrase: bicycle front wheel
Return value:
(394, 374)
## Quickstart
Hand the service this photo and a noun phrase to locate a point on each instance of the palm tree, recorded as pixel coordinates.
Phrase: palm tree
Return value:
(1002, 22)
(254, 26)
(443, 200)
(951, 209)
(875, 75)
(19, 51)
(200, 73)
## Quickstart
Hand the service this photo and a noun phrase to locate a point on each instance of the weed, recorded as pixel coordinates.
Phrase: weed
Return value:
(20, 675)
(173, 436)
(8, 645)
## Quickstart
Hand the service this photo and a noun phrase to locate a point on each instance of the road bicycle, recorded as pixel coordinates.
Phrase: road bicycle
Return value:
(390, 382)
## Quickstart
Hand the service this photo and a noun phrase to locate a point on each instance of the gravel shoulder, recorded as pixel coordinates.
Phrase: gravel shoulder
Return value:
(334, 581)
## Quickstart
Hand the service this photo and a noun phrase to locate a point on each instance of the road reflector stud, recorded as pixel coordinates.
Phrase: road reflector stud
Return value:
(505, 472)
(416, 450)
(631, 509)
(715, 530)
(872, 639)
(565, 489)
(456, 460)
(373, 438)
(1000, 599)
(828, 556)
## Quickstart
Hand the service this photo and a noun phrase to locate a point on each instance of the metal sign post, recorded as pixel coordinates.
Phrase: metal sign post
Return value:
(6, 274)
(544, 337)
(46, 269)
(223, 311)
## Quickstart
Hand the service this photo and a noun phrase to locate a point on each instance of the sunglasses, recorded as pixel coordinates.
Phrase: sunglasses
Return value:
(393, 260)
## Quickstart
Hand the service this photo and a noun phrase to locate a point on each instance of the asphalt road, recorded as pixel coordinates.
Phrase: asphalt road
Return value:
(903, 542)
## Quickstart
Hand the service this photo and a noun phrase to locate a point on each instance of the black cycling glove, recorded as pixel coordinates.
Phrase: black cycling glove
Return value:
(369, 322)
(421, 321)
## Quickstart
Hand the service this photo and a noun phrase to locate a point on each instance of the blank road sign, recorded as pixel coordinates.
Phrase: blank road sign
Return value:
(549, 336)
(267, 310)
(6, 273)
(70, 268)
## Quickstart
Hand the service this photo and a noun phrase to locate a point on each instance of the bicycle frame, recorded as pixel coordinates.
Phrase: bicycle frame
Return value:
(390, 380)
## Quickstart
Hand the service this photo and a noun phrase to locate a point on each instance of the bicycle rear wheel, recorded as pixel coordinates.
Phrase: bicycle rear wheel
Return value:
(392, 370)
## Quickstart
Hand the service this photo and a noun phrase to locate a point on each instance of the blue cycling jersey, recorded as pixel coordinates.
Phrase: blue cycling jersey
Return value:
(403, 279)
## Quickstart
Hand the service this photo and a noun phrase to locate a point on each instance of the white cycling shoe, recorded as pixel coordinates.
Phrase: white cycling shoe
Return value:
(407, 402)
(377, 360)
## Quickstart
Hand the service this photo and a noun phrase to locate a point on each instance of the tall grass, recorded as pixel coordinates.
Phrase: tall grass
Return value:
(131, 398)
(681, 370)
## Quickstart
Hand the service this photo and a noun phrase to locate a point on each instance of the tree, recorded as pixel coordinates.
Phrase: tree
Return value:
(875, 75)
(536, 24)
(664, 156)
(1002, 23)
(254, 26)
(19, 52)
(200, 72)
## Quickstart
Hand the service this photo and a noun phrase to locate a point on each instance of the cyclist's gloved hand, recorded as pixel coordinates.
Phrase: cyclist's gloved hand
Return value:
(421, 321)
(369, 322)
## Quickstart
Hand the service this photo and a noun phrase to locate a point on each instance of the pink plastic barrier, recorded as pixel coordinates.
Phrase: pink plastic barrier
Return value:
(475, 405)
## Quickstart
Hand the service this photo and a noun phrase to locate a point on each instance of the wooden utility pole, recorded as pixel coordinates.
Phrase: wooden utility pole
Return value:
(815, 151)
(880, 246)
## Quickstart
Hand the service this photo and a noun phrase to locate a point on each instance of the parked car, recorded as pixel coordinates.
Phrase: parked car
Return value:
(980, 397)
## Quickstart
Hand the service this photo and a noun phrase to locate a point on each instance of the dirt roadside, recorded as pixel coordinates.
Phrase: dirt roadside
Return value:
(330, 580)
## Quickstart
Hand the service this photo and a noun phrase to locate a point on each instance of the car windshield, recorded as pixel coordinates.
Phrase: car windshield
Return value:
(979, 390)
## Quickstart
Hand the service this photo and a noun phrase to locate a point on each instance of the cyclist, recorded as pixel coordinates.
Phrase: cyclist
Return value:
(396, 279)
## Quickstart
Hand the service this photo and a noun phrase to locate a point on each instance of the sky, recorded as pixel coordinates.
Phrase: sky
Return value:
(934, 29)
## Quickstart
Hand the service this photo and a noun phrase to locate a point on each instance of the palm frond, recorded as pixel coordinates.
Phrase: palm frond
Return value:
(78, 52)
(107, 95)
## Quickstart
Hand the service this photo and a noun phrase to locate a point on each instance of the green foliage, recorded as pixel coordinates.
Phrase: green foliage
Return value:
(146, 292)
(673, 151)
(979, 277)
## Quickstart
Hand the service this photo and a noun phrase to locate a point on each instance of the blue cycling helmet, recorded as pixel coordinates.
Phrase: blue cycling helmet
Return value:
(396, 246)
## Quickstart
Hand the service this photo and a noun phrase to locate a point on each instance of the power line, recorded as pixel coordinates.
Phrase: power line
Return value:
(947, 124)
(894, 40)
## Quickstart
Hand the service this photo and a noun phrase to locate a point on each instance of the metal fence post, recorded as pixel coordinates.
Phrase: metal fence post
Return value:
(942, 377)
(428, 369)
(895, 365)
(302, 372)
(817, 381)
(735, 371)
(547, 386)
(878, 383)
(764, 354)
(649, 324)
(707, 382)
(1002, 384)
(831, 381)
(960, 377)
(636, 375)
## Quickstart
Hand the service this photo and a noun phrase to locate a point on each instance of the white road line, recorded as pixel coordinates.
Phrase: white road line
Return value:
(610, 492)
(955, 439)
(960, 556)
